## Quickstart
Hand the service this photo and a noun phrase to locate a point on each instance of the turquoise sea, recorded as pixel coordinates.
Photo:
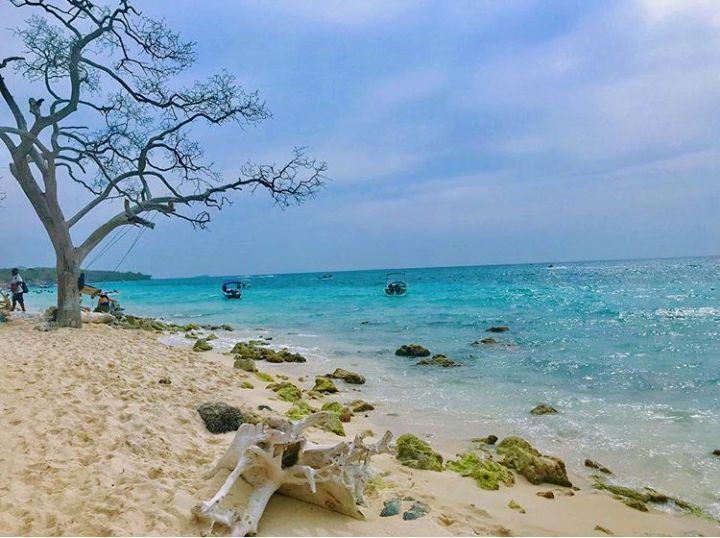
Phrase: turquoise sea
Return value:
(628, 351)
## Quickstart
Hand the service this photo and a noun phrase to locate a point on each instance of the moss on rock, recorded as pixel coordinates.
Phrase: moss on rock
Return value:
(349, 377)
(416, 453)
(300, 410)
(529, 462)
(286, 391)
(323, 384)
(438, 360)
(488, 474)
(343, 413)
(245, 364)
(220, 417)
(202, 345)
(262, 376)
(412, 350)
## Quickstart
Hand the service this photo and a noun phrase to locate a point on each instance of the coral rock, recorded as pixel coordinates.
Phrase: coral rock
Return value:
(220, 417)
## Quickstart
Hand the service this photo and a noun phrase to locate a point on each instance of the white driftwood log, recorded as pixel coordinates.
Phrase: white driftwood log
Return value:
(275, 456)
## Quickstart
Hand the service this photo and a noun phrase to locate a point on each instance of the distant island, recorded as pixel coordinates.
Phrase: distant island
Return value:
(46, 276)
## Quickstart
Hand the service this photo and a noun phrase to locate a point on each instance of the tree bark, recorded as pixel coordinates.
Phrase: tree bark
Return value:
(68, 293)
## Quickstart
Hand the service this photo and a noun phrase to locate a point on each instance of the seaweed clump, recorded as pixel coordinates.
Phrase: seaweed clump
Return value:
(416, 453)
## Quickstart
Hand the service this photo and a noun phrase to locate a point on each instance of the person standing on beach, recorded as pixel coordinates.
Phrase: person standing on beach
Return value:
(17, 288)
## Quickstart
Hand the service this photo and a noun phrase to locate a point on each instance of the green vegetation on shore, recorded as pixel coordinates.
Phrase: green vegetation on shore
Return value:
(38, 276)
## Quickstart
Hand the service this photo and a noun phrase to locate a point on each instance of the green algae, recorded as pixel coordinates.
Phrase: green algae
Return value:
(488, 474)
(416, 453)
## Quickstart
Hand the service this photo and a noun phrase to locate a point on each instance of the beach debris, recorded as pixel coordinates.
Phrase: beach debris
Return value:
(489, 440)
(638, 499)
(391, 508)
(202, 345)
(416, 453)
(343, 412)
(43, 326)
(484, 341)
(275, 456)
(417, 510)
(515, 506)
(412, 350)
(488, 474)
(603, 530)
(543, 409)
(529, 462)
(244, 363)
(595, 465)
(164, 381)
(546, 494)
(498, 329)
(325, 385)
(286, 391)
(220, 417)
(361, 406)
(438, 360)
(349, 377)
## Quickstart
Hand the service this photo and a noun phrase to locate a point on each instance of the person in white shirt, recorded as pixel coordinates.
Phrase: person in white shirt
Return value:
(17, 287)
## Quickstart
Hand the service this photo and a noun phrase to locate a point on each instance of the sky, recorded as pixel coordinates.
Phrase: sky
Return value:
(455, 133)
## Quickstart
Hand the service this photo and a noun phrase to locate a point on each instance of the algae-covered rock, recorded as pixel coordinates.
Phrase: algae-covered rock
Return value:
(637, 499)
(300, 410)
(361, 406)
(226, 327)
(716, 452)
(191, 327)
(323, 384)
(286, 391)
(220, 417)
(595, 465)
(247, 385)
(543, 409)
(603, 530)
(391, 508)
(202, 345)
(515, 506)
(488, 474)
(489, 440)
(529, 462)
(262, 376)
(332, 424)
(417, 510)
(211, 336)
(245, 364)
(412, 350)
(438, 360)
(545, 494)
(416, 453)
(288, 356)
(498, 329)
(347, 376)
(485, 341)
(343, 413)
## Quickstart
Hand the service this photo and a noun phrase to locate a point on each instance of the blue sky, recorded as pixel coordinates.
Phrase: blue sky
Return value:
(455, 133)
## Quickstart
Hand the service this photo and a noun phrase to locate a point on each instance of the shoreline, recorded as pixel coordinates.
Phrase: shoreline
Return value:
(95, 445)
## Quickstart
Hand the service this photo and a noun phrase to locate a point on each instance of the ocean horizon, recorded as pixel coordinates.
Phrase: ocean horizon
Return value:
(628, 351)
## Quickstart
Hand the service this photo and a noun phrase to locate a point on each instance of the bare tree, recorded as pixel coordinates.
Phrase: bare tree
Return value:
(108, 116)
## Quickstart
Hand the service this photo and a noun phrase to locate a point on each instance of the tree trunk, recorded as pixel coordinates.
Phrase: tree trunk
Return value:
(68, 293)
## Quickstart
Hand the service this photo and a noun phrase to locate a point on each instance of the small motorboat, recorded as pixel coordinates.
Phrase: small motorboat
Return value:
(232, 289)
(395, 285)
(326, 276)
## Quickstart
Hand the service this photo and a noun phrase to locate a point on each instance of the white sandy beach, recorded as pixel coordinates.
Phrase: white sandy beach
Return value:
(92, 444)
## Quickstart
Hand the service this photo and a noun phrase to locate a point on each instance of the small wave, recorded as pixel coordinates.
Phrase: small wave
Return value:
(687, 312)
